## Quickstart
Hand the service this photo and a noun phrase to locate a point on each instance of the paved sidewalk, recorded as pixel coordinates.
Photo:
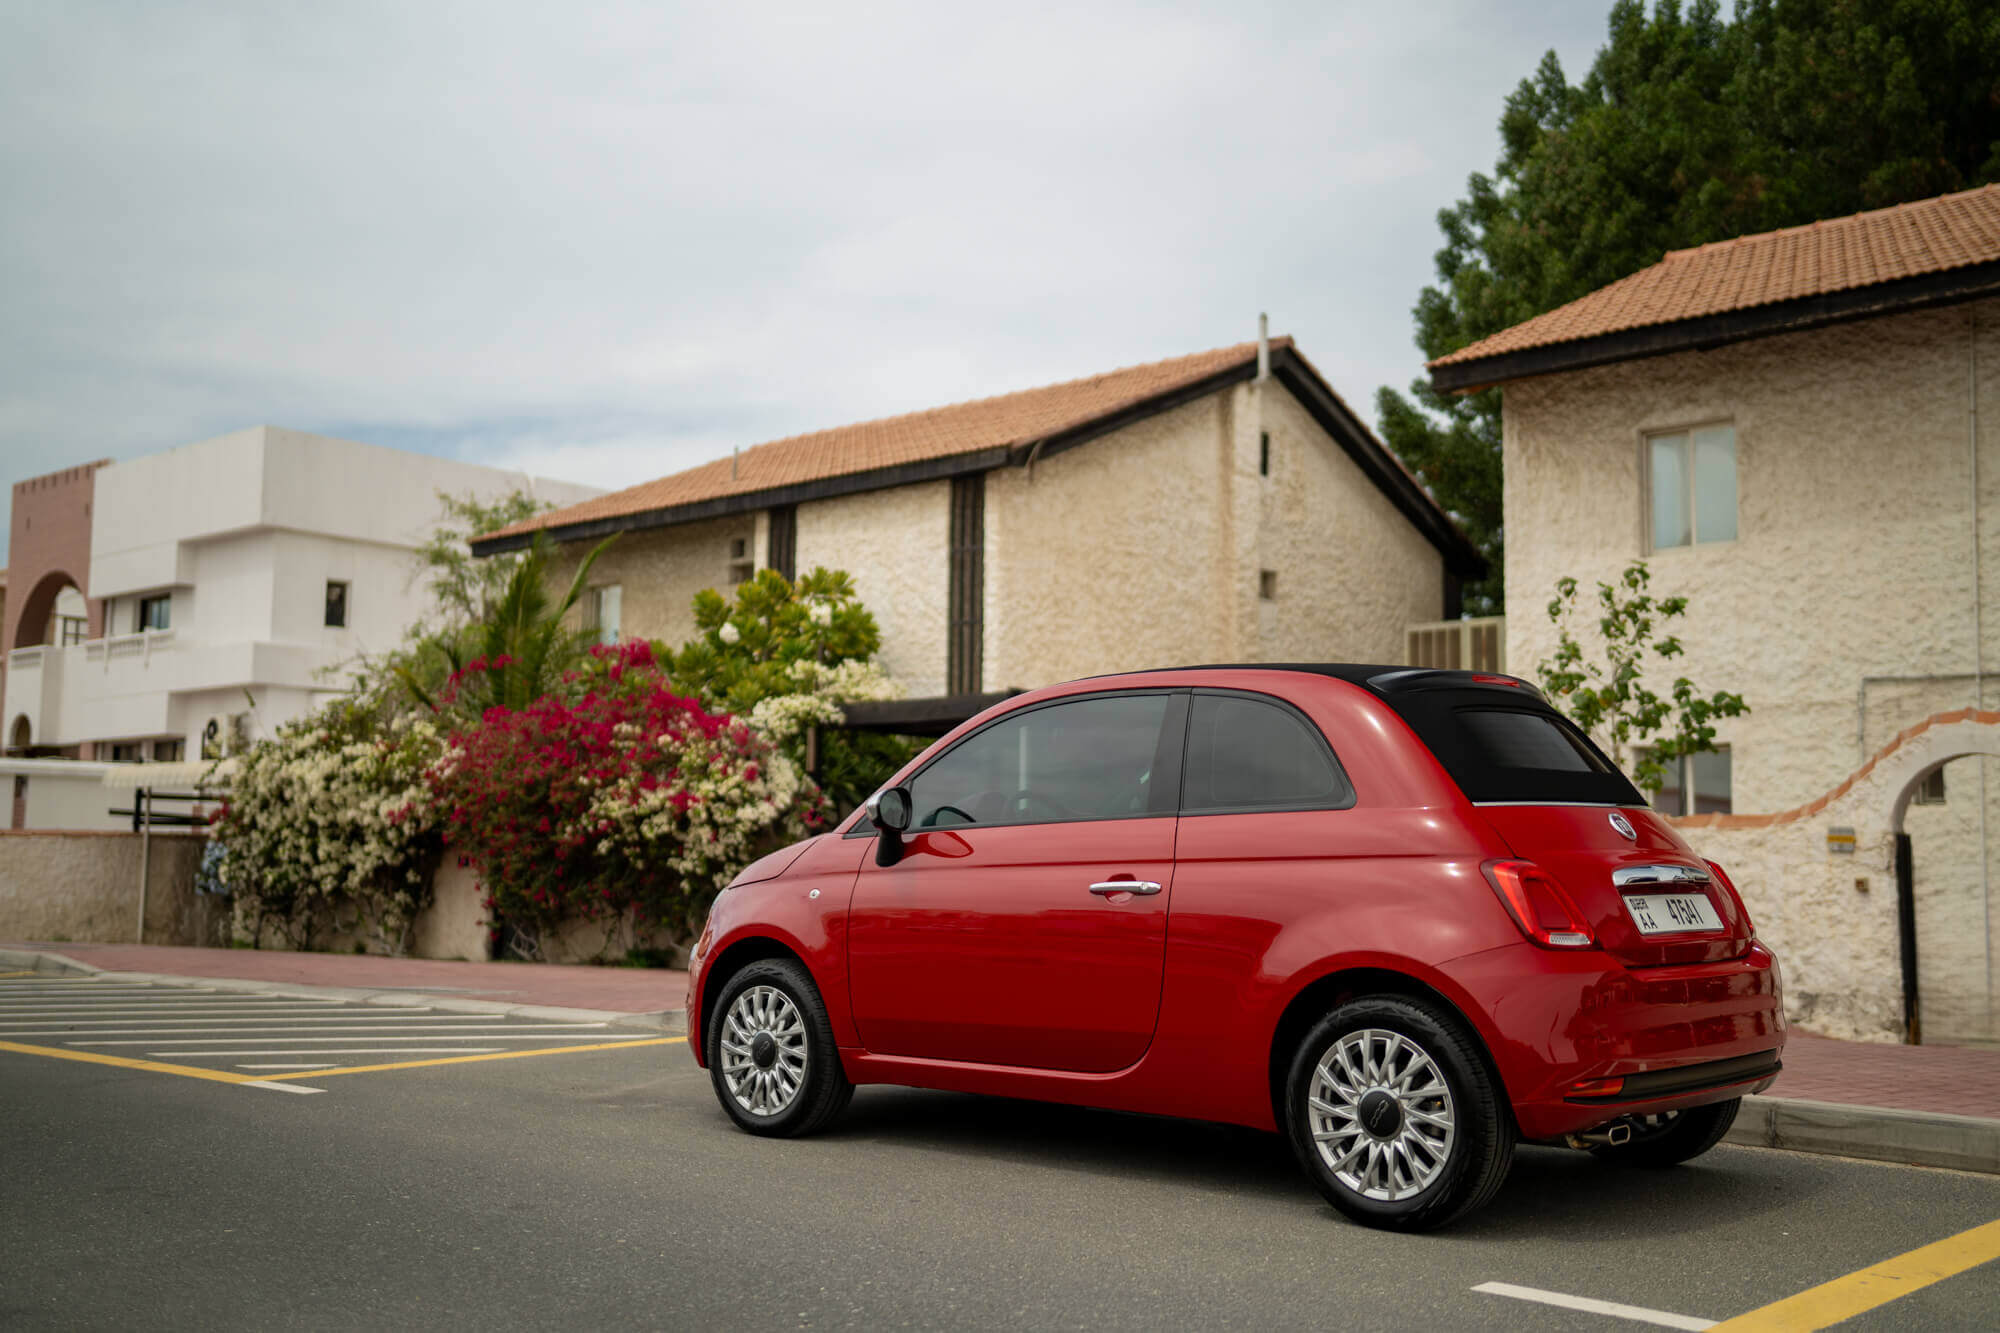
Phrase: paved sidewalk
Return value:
(624, 990)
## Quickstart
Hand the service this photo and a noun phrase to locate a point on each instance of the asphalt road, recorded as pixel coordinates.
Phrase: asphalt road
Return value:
(600, 1188)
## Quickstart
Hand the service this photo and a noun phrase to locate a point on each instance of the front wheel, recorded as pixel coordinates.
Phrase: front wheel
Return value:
(771, 1053)
(1672, 1138)
(1392, 1113)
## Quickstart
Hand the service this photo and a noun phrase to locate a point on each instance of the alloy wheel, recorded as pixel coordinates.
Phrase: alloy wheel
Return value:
(1381, 1115)
(764, 1050)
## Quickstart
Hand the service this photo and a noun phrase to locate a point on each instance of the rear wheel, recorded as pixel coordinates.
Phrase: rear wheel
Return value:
(1392, 1113)
(771, 1053)
(1674, 1137)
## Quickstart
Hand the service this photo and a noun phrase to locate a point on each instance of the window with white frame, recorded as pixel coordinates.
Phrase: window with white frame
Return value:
(1692, 477)
(1697, 784)
(605, 607)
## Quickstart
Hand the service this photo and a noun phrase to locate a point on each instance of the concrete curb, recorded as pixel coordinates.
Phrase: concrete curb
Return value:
(54, 964)
(1879, 1133)
(665, 1022)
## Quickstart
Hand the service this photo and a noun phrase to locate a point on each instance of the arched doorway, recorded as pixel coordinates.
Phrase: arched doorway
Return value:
(20, 736)
(1945, 819)
(55, 598)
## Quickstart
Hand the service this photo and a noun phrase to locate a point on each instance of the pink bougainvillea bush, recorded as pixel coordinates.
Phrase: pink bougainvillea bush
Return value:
(616, 795)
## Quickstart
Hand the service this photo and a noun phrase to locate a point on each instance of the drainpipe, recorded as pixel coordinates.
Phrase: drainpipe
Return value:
(1978, 636)
(142, 810)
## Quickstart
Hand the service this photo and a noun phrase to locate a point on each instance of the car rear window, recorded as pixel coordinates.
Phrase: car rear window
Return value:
(1519, 753)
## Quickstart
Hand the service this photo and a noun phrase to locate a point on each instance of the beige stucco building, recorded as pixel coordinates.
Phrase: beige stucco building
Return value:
(1797, 432)
(1226, 506)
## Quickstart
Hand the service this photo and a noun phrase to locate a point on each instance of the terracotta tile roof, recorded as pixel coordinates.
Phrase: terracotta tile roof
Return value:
(1008, 421)
(1832, 255)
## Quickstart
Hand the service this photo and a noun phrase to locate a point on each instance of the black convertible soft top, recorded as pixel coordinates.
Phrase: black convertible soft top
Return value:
(1498, 736)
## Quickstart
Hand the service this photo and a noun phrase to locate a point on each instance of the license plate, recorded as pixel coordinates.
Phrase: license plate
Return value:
(1671, 913)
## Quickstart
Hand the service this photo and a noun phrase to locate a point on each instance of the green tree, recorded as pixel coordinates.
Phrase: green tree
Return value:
(1689, 128)
(464, 587)
(788, 655)
(1608, 697)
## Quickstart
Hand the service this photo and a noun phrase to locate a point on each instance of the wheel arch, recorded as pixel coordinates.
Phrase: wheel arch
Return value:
(1334, 988)
(728, 961)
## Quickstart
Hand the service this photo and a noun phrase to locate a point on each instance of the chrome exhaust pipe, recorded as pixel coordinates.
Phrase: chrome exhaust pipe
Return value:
(1606, 1136)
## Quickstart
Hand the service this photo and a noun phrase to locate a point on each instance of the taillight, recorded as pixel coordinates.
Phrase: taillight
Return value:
(1538, 905)
(1729, 887)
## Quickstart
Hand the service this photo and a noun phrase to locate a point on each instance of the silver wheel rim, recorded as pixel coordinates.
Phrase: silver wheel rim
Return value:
(764, 1089)
(1356, 1084)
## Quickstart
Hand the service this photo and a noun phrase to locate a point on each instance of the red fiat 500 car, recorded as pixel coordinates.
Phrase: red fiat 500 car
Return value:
(1407, 918)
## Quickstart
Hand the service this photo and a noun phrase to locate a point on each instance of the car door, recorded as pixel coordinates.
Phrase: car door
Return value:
(999, 937)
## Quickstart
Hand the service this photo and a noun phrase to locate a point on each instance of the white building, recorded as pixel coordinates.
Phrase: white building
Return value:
(224, 580)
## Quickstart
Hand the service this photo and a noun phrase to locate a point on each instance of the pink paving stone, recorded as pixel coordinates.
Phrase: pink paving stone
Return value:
(627, 990)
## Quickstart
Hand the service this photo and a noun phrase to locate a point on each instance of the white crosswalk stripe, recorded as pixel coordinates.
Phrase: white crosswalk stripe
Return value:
(222, 1029)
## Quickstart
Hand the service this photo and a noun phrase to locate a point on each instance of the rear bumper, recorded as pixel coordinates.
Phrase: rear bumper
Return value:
(1678, 1037)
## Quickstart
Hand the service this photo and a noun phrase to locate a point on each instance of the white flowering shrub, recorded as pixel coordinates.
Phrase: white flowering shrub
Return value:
(330, 830)
(788, 656)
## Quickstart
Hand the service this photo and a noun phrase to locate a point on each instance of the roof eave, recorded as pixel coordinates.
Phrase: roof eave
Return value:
(1461, 557)
(1922, 292)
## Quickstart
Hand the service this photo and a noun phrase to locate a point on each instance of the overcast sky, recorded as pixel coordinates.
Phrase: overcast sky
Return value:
(607, 241)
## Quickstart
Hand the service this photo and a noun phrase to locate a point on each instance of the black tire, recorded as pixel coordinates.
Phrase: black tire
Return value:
(1677, 1137)
(1464, 1166)
(820, 1088)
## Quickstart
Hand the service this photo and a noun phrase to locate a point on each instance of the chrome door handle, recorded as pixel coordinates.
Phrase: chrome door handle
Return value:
(1141, 888)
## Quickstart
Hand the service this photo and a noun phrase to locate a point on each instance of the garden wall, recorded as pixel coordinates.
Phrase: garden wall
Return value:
(58, 885)
(1830, 913)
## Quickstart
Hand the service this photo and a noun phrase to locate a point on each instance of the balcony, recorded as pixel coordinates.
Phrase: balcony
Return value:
(1458, 645)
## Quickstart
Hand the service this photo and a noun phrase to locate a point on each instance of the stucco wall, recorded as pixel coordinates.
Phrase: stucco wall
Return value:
(895, 544)
(1353, 574)
(1109, 557)
(1831, 916)
(1853, 557)
(85, 887)
(659, 571)
(1852, 564)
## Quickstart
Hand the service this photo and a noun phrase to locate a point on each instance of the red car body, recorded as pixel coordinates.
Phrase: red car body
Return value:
(979, 962)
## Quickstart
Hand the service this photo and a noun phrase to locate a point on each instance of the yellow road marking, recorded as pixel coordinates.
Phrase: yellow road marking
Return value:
(1845, 1297)
(9, 976)
(125, 1062)
(317, 1074)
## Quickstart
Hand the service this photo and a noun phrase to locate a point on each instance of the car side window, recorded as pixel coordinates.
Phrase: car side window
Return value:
(1089, 759)
(1250, 754)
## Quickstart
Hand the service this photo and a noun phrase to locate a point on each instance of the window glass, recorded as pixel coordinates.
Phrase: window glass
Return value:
(1524, 740)
(336, 605)
(1715, 484)
(1670, 490)
(606, 609)
(1248, 753)
(1092, 759)
(1512, 753)
(1712, 792)
(155, 612)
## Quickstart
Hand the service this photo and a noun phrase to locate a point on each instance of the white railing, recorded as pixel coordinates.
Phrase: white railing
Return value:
(139, 645)
(1458, 645)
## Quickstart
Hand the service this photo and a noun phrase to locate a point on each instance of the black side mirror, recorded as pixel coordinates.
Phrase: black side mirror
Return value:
(889, 811)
